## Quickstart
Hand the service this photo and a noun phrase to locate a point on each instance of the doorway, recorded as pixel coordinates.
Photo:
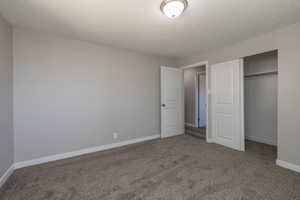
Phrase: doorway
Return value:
(195, 98)
(260, 99)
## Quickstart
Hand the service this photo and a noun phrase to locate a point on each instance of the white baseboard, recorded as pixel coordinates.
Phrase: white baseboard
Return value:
(209, 140)
(260, 140)
(6, 175)
(288, 165)
(81, 152)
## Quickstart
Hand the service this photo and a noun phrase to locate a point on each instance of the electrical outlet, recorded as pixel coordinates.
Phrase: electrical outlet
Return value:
(115, 135)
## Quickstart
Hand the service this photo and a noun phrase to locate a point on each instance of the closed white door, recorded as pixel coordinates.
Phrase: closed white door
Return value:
(171, 102)
(226, 96)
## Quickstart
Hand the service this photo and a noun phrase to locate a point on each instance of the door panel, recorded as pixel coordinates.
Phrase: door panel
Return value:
(171, 101)
(224, 75)
(225, 126)
(226, 104)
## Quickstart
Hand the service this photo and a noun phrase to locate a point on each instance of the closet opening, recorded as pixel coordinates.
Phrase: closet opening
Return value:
(260, 101)
(195, 97)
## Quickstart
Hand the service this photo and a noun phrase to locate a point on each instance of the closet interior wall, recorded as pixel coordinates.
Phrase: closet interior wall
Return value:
(260, 90)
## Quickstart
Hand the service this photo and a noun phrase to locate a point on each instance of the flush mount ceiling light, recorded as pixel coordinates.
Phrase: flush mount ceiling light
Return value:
(173, 8)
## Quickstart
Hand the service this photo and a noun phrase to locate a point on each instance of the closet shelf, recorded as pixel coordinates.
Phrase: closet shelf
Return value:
(261, 74)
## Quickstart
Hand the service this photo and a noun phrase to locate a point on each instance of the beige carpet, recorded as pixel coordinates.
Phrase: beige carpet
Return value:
(177, 168)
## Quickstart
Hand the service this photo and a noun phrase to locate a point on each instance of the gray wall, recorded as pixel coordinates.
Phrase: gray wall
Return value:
(261, 98)
(70, 94)
(190, 94)
(6, 125)
(287, 41)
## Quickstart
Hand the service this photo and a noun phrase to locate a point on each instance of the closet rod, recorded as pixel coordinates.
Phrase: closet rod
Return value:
(261, 74)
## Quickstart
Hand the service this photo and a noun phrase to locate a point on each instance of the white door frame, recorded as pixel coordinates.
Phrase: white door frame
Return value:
(242, 101)
(207, 90)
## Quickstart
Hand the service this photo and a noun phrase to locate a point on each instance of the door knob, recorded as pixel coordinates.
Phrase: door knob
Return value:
(163, 105)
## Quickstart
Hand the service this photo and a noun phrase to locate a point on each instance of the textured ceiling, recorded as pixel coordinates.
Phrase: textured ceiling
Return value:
(139, 25)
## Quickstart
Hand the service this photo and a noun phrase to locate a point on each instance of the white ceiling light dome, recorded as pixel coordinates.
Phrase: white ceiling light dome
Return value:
(173, 8)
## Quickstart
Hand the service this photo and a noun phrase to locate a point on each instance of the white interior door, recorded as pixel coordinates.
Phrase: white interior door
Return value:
(172, 122)
(227, 107)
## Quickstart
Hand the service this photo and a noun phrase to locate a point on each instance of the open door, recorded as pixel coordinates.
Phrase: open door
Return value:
(227, 106)
(172, 122)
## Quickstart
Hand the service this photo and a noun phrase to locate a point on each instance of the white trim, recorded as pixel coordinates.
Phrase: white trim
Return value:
(288, 165)
(207, 90)
(195, 65)
(209, 140)
(81, 152)
(6, 175)
(242, 108)
(175, 135)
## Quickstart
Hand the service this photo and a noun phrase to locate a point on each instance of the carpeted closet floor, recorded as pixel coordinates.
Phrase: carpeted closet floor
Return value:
(177, 168)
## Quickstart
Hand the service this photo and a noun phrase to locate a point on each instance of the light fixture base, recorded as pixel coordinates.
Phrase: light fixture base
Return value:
(165, 2)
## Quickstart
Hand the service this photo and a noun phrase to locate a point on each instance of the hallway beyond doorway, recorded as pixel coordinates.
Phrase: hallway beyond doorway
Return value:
(196, 132)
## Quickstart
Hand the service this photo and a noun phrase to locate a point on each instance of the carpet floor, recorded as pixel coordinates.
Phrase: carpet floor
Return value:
(178, 168)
